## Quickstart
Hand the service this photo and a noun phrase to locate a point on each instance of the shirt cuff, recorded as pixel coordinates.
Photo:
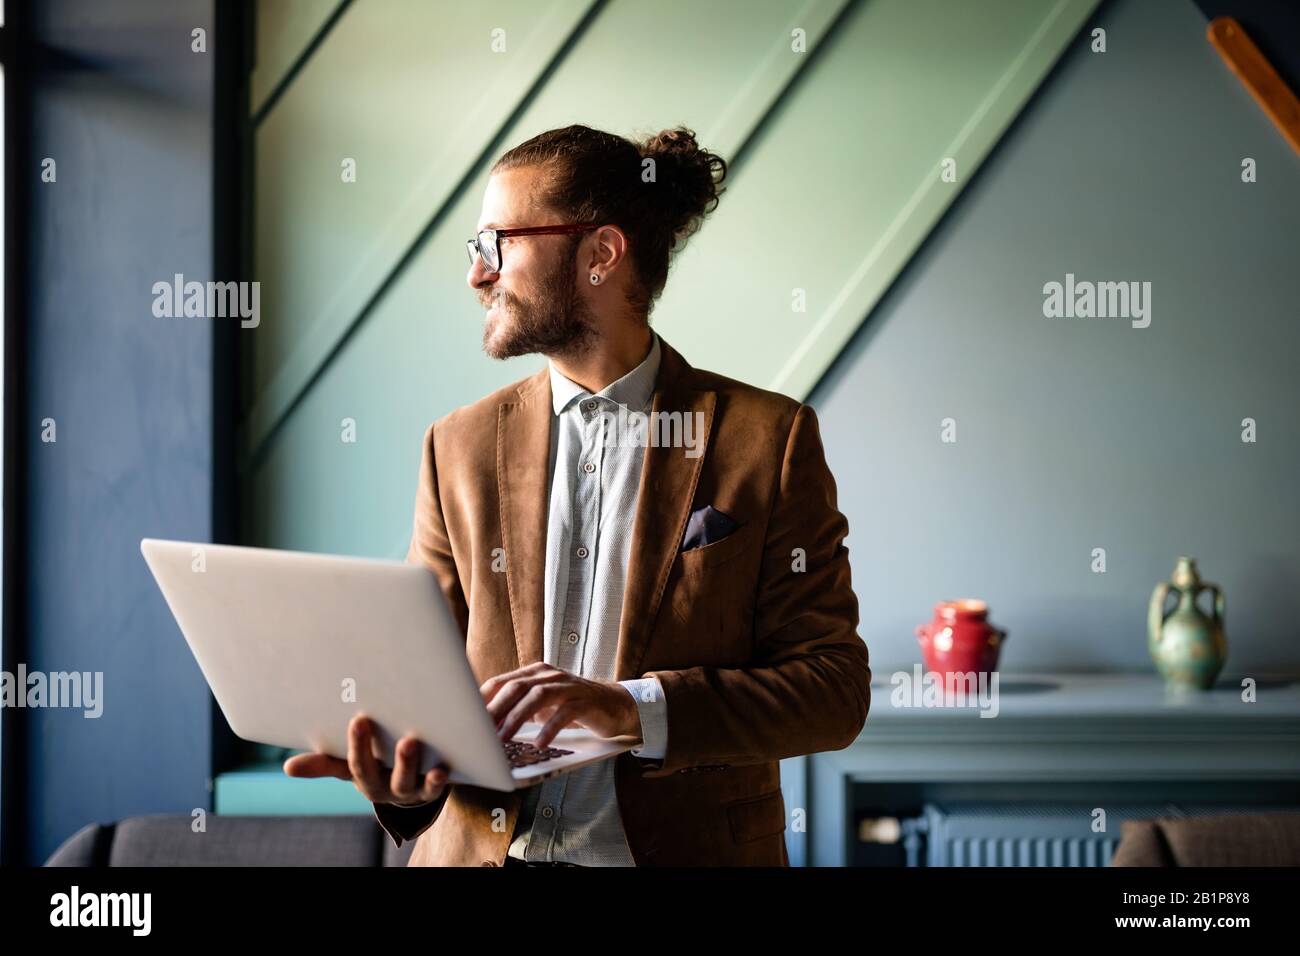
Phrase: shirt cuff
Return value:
(653, 711)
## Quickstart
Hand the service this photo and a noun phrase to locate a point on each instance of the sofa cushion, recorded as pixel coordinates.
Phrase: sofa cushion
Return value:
(1232, 839)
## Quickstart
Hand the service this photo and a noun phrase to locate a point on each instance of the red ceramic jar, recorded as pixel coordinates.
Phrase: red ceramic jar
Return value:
(960, 640)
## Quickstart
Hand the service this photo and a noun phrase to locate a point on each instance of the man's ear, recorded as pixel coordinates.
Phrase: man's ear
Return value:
(610, 247)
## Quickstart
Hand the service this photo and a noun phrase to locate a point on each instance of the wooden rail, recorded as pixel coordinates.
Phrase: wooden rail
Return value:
(1258, 76)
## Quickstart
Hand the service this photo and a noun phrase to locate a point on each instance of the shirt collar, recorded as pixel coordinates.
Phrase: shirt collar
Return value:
(633, 390)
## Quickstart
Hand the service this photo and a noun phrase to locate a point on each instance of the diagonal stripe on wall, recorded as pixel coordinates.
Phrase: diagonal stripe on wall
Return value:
(845, 179)
(284, 31)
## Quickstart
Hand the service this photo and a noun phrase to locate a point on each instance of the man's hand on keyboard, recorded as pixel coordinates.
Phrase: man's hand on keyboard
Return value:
(379, 784)
(556, 699)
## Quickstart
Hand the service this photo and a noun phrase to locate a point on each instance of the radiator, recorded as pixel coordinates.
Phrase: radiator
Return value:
(1009, 834)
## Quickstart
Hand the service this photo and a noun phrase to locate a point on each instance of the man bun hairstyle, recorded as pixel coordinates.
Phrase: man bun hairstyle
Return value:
(657, 189)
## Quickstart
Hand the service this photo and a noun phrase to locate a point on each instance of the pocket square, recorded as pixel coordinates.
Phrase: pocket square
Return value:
(705, 526)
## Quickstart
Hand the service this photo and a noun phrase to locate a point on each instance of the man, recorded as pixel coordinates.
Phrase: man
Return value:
(630, 544)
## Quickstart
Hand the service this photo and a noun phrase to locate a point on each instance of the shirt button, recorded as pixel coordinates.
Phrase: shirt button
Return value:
(548, 812)
(591, 406)
(582, 552)
(589, 468)
(573, 637)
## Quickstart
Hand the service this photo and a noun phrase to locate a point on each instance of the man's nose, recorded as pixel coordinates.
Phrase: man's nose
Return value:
(479, 276)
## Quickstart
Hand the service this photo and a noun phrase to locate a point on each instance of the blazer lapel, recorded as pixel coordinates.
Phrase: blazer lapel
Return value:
(668, 480)
(523, 460)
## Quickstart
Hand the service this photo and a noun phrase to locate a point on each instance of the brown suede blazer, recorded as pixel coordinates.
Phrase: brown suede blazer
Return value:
(754, 636)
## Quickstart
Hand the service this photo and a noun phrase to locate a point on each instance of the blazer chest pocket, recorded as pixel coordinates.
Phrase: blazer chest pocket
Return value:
(717, 552)
(755, 817)
(709, 595)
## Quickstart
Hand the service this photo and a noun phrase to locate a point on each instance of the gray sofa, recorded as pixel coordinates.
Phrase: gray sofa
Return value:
(168, 840)
(1260, 839)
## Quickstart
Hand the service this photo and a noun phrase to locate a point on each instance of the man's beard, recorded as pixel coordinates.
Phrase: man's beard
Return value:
(557, 322)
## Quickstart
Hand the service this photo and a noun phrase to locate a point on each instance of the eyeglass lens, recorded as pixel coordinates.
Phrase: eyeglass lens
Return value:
(484, 242)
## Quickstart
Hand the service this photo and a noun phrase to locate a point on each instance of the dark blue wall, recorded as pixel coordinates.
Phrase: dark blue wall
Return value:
(125, 108)
(1088, 433)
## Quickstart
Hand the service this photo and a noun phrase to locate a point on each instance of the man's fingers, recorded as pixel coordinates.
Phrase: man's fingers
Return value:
(505, 695)
(540, 695)
(361, 761)
(562, 717)
(317, 765)
(431, 786)
(513, 690)
(510, 720)
(407, 758)
(405, 784)
(490, 687)
(434, 782)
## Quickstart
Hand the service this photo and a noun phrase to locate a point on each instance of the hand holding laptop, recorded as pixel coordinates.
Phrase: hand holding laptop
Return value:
(364, 658)
(535, 690)
(399, 785)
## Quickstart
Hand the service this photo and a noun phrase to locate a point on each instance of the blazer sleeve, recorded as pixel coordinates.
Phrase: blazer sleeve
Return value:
(809, 687)
(431, 547)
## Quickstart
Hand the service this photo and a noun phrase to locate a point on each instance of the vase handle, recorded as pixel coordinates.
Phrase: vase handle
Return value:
(1218, 602)
(1156, 612)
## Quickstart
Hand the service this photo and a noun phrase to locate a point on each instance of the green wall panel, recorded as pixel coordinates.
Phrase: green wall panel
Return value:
(418, 353)
(837, 184)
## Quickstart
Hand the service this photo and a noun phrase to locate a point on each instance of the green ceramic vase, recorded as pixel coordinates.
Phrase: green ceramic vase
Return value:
(1188, 645)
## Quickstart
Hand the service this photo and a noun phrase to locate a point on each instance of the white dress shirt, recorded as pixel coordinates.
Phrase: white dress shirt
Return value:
(595, 480)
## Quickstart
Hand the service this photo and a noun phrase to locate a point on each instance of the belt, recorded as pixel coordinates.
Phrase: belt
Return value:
(515, 861)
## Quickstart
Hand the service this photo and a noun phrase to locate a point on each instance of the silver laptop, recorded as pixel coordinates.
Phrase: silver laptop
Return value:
(294, 644)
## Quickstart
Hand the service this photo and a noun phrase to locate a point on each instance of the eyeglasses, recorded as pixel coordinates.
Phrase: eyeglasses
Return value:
(488, 242)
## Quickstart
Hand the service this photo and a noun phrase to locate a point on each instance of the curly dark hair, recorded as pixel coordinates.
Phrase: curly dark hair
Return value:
(658, 190)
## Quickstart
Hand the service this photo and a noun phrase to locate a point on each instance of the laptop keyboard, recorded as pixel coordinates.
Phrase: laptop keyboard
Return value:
(520, 753)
